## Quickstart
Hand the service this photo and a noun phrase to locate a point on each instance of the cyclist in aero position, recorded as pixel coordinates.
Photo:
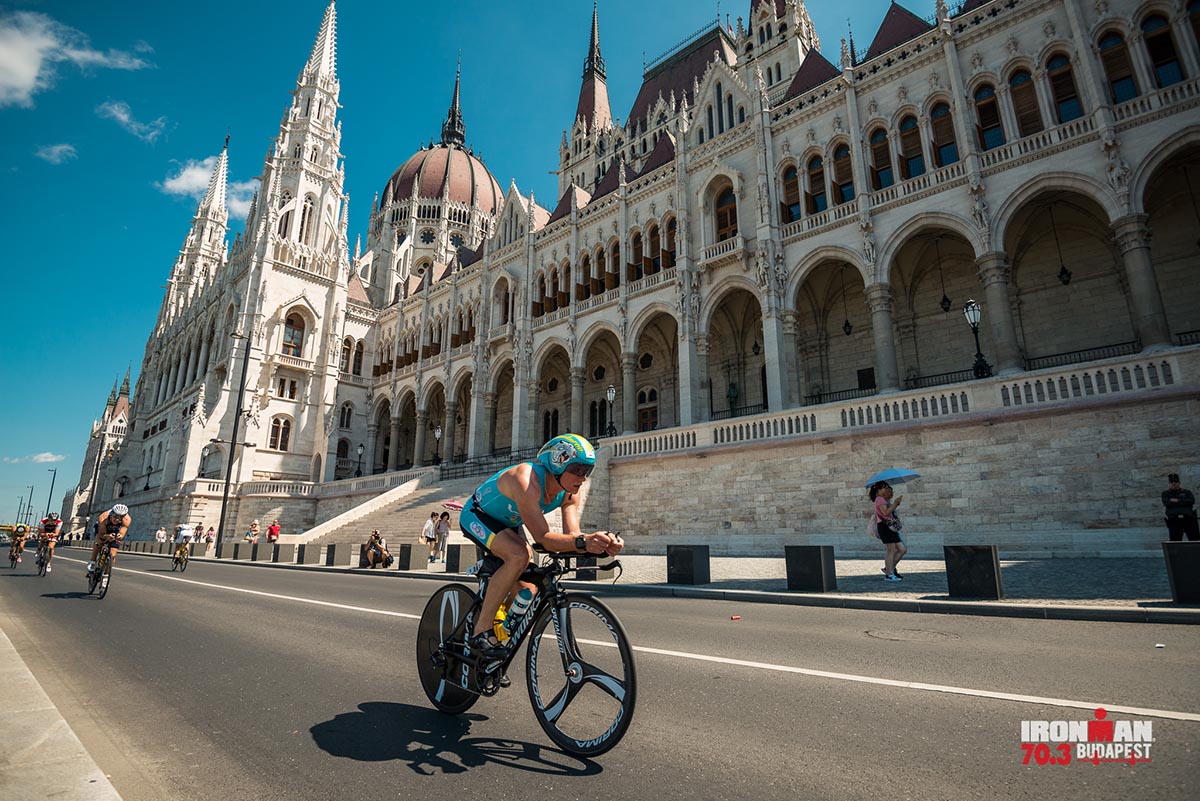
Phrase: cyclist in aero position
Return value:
(184, 534)
(113, 525)
(18, 541)
(520, 496)
(48, 531)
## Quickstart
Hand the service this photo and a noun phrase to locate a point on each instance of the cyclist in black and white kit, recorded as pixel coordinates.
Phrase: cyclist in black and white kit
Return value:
(113, 526)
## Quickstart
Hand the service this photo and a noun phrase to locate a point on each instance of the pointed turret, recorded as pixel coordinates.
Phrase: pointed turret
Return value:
(214, 198)
(454, 131)
(124, 393)
(593, 106)
(323, 61)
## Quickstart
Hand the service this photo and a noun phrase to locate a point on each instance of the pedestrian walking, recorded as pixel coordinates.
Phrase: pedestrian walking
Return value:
(443, 534)
(887, 523)
(273, 532)
(1180, 507)
(429, 535)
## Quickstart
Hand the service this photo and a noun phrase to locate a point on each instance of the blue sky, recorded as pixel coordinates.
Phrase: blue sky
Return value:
(111, 114)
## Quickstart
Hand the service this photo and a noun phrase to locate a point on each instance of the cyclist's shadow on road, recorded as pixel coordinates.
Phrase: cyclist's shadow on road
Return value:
(433, 743)
(74, 596)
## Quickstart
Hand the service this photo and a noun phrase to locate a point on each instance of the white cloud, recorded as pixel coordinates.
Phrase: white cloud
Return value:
(13, 459)
(191, 180)
(32, 45)
(120, 111)
(43, 458)
(56, 154)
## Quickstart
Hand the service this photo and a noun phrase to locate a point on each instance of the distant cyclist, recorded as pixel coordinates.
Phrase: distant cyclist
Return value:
(113, 525)
(517, 497)
(48, 531)
(18, 540)
(184, 534)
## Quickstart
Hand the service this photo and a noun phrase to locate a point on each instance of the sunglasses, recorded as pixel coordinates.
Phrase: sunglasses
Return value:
(581, 470)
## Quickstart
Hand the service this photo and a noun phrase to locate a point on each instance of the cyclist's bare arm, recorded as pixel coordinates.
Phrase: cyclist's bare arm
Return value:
(522, 485)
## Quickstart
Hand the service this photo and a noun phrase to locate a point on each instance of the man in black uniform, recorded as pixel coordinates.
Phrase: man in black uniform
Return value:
(1180, 507)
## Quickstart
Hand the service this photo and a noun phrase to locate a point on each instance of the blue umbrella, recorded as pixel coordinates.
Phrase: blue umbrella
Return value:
(893, 475)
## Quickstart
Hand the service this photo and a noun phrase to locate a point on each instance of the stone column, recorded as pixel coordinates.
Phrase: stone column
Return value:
(368, 460)
(775, 357)
(1149, 317)
(203, 370)
(448, 431)
(533, 432)
(162, 387)
(393, 460)
(1143, 70)
(628, 393)
(1007, 115)
(703, 408)
(577, 378)
(482, 433)
(879, 303)
(520, 413)
(171, 378)
(689, 383)
(994, 271)
(419, 440)
(1184, 37)
(788, 362)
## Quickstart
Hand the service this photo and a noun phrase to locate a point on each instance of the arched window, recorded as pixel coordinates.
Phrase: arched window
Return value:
(1025, 103)
(584, 290)
(293, 335)
(843, 175)
(729, 109)
(881, 160)
(700, 136)
(711, 128)
(536, 305)
(741, 115)
(669, 249)
(817, 200)
(356, 366)
(285, 223)
(346, 416)
(726, 214)
(654, 250)
(987, 111)
(343, 449)
(1062, 85)
(347, 349)
(912, 159)
(281, 433)
(306, 222)
(396, 293)
(790, 207)
(647, 402)
(1156, 32)
(1115, 56)
(945, 147)
(636, 268)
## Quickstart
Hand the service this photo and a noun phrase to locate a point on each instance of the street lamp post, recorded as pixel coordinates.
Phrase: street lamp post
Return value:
(611, 394)
(50, 498)
(971, 311)
(29, 503)
(233, 439)
(437, 448)
(20, 506)
(358, 470)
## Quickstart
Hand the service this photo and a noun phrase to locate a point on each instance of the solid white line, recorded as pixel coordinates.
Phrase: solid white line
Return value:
(824, 674)
(259, 593)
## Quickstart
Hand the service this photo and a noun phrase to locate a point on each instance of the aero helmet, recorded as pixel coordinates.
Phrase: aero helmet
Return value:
(53, 515)
(22, 528)
(565, 450)
(120, 510)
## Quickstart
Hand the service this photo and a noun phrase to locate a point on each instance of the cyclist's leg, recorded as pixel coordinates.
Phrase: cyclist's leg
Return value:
(49, 551)
(516, 553)
(114, 545)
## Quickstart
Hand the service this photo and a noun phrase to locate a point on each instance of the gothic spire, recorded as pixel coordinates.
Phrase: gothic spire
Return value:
(323, 60)
(454, 131)
(125, 384)
(214, 198)
(595, 62)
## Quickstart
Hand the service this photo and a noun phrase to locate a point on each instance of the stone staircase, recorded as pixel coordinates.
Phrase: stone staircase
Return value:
(401, 521)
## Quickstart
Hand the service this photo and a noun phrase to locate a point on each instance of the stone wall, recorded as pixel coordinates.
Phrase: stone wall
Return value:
(1026, 480)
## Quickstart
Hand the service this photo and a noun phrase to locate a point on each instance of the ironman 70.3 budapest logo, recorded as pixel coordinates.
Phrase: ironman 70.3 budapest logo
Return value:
(1061, 742)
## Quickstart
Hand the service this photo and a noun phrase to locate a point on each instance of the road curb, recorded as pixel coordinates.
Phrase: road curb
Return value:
(1113, 614)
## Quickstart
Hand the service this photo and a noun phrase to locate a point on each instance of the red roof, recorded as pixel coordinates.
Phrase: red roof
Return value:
(815, 71)
(662, 154)
(677, 73)
(899, 26)
(356, 292)
(593, 102)
(563, 209)
(467, 257)
(430, 170)
(611, 180)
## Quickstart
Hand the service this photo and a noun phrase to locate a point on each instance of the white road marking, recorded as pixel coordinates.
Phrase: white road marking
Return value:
(824, 674)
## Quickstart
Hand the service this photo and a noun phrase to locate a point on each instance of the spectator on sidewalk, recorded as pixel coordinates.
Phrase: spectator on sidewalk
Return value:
(211, 535)
(252, 533)
(888, 524)
(377, 552)
(429, 535)
(273, 532)
(1180, 506)
(443, 534)
(160, 535)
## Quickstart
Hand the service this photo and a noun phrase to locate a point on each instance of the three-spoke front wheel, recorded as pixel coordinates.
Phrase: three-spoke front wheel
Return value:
(583, 687)
(444, 677)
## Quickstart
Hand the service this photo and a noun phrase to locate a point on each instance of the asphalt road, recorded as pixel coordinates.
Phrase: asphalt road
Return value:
(190, 688)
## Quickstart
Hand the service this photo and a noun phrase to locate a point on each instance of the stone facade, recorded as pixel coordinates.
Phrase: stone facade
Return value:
(766, 233)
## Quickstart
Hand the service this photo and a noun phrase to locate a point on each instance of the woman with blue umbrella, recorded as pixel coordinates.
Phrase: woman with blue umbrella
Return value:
(887, 522)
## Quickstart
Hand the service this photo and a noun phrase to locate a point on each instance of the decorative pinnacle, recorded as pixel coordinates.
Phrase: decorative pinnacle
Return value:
(454, 130)
(595, 62)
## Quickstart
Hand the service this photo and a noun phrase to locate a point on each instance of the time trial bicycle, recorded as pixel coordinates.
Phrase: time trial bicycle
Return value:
(101, 575)
(583, 691)
(180, 560)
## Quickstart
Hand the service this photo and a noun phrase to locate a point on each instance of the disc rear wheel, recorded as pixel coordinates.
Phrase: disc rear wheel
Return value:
(444, 677)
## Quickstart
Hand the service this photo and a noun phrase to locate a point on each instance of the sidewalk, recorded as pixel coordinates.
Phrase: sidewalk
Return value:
(44, 759)
(1117, 590)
